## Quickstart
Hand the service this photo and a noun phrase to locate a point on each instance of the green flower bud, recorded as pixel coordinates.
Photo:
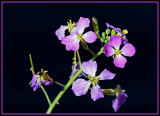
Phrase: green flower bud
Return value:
(102, 39)
(95, 24)
(113, 32)
(106, 41)
(103, 34)
(108, 31)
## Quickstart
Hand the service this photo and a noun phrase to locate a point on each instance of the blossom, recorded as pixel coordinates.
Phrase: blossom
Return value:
(112, 49)
(81, 86)
(120, 33)
(120, 99)
(76, 34)
(38, 80)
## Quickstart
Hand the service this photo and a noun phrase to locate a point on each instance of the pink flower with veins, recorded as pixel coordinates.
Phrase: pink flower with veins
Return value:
(112, 49)
(72, 41)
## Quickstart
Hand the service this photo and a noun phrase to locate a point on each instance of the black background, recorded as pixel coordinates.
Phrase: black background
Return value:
(30, 28)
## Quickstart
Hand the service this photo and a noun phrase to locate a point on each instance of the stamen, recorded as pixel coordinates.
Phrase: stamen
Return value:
(71, 26)
(93, 80)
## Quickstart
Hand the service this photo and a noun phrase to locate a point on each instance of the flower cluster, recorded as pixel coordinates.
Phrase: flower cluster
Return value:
(114, 44)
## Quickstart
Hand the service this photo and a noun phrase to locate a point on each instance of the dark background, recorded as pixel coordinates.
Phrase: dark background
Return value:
(30, 28)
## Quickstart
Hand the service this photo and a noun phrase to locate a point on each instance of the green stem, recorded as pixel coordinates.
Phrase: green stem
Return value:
(45, 93)
(33, 72)
(72, 79)
(60, 84)
(75, 58)
(91, 51)
(32, 67)
(79, 59)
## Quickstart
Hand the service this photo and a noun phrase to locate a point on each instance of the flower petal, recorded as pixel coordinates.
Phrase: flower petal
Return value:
(90, 68)
(82, 24)
(96, 92)
(47, 82)
(120, 61)
(106, 75)
(90, 37)
(60, 33)
(80, 87)
(109, 51)
(74, 31)
(128, 50)
(34, 81)
(71, 42)
(119, 101)
(124, 41)
(115, 41)
(38, 85)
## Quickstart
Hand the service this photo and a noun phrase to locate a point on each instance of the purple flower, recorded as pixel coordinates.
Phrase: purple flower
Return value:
(121, 98)
(112, 49)
(38, 80)
(81, 86)
(76, 34)
(36, 83)
(118, 30)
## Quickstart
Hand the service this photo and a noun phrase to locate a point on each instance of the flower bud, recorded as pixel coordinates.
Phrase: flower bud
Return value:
(106, 41)
(95, 24)
(108, 31)
(103, 34)
(113, 32)
(102, 40)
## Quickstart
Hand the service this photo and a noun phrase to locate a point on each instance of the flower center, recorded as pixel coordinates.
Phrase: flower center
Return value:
(93, 80)
(71, 26)
(117, 52)
(79, 36)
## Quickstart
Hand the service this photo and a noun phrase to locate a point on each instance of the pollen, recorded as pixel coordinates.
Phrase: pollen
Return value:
(93, 80)
(71, 26)
(125, 31)
(117, 52)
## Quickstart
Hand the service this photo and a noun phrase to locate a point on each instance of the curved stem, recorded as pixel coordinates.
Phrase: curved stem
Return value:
(91, 51)
(45, 93)
(72, 79)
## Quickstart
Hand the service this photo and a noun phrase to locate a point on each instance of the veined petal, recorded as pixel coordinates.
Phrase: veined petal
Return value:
(82, 24)
(90, 37)
(60, 33)
(116, 104)
(120, 61)
(106, 75)
(109, 51)
(128, 50)
(115, 41)
(71, 42)
(80, 87)
(90, 68)
(96, 92)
